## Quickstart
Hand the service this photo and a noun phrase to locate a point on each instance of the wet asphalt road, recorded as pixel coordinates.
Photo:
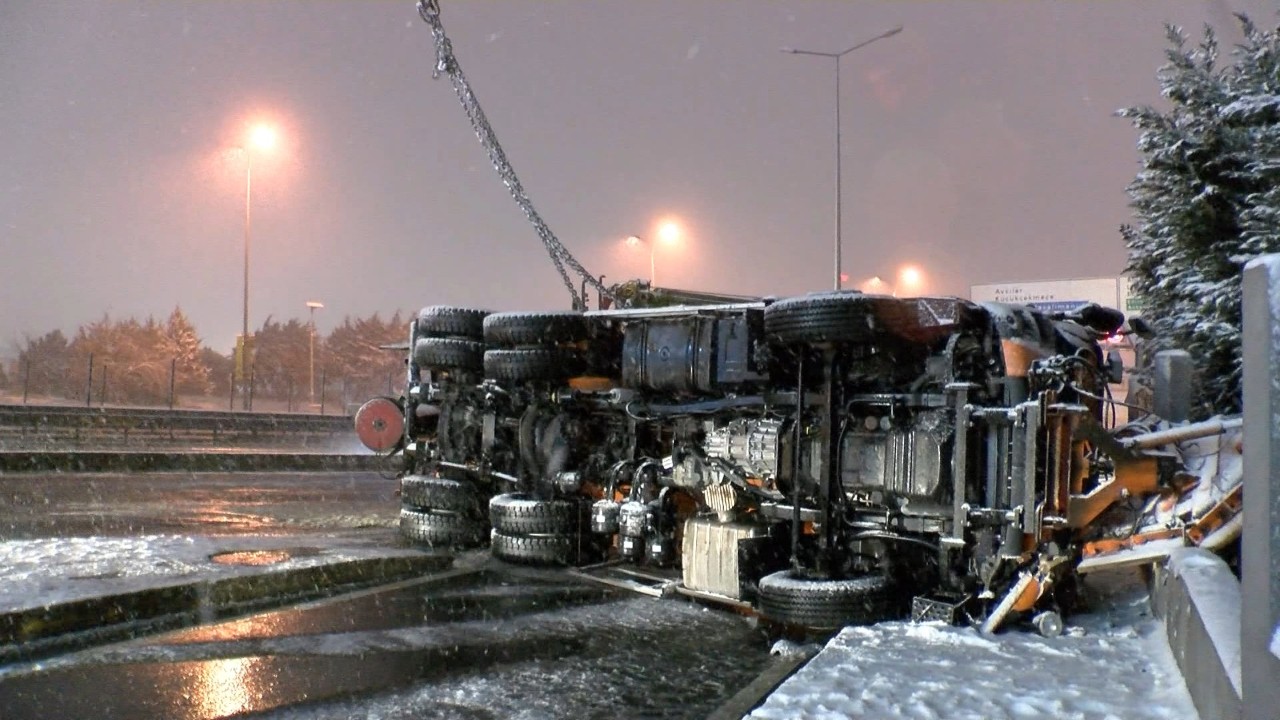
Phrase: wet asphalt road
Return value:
(279, 503)
(485, 641)
(495, 643)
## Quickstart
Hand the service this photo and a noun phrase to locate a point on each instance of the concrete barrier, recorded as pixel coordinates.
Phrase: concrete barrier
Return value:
(60, 627)
(1198, 598)
(1260, 544)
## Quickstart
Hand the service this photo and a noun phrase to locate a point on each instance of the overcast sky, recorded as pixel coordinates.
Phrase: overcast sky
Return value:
(979, 143)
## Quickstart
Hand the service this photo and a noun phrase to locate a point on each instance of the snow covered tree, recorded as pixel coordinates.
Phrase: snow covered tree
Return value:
(43, 363)
(129, 365)
(1206, 200)
(353, 356)
(181, 343)
(218, 369)
(280, 359)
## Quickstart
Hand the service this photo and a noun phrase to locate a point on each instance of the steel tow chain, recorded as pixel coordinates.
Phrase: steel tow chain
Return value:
(447, 63)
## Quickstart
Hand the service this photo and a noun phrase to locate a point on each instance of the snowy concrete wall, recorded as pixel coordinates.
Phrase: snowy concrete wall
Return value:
(1260, 548)
(1199, 600)
(1171, 394)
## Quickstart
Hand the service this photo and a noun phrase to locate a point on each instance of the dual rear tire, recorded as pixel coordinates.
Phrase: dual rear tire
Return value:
(441, 512)
(530, 346)
(530, 531)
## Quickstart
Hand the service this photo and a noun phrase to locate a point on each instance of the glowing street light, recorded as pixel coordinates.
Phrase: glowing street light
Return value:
(262, 137)
(875, 286)
(836, 56)
(668, 233)
(637, 241)
(910, 279)
(908, 282)
(312, 306)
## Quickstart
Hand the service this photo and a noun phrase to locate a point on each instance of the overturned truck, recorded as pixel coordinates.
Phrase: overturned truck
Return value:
(823, 459)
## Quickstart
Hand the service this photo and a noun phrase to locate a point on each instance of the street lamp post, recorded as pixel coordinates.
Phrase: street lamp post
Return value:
(263, 137)
(637, 240)
(668, 233)
(836, 56)
(312, 305)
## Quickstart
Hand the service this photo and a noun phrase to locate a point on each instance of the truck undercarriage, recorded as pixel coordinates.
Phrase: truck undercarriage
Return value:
(823, 459)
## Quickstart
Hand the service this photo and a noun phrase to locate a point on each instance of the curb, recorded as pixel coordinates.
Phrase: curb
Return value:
(106, 461)
(39, 632)
(755, 693)
(1198, 598)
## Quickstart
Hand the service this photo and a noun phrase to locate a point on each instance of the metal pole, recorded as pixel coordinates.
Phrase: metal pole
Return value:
(245, 352)
(88, 390)
(173, 375)
(231, 396)
(322, 384)
(26, 381)
(838, 283)
(311, 370)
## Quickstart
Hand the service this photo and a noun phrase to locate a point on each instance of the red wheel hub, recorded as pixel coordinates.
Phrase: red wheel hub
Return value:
(380, 424)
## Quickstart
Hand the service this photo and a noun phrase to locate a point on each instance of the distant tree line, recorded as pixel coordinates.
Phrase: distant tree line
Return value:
(139, 362)
(1207, 199)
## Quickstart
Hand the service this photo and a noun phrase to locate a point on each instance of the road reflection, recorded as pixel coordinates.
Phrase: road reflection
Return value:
(208, 689)
(227, 687)
(450, 598)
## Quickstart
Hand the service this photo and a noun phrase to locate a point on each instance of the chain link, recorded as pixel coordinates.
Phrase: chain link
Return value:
(447, 63)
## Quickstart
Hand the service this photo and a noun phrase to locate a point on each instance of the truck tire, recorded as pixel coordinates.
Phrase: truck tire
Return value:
(520, 514)
(446, 321)
(825, 604)
(532, 549)
(449, 353)
(437, 493)
(441, 530)
(830, 317)
(523, 364)
(516, 329)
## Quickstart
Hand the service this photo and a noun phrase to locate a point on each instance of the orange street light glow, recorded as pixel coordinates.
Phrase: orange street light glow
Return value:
(910, 277)
(263, 136)
(669, 232)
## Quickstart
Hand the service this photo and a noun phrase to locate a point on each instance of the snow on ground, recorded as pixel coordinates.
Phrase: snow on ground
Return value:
(48, 571)
(1112, 664)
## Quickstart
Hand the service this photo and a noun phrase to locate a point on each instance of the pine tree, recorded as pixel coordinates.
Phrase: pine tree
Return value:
(1206, 201)
(281, 359)
(354, 356)
(181, 343)
(43, 363)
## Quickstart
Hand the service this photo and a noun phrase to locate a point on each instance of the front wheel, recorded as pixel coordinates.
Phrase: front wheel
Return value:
(825, 604)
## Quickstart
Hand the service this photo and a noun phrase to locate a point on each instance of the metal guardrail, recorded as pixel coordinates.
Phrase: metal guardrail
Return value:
(60, 428)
